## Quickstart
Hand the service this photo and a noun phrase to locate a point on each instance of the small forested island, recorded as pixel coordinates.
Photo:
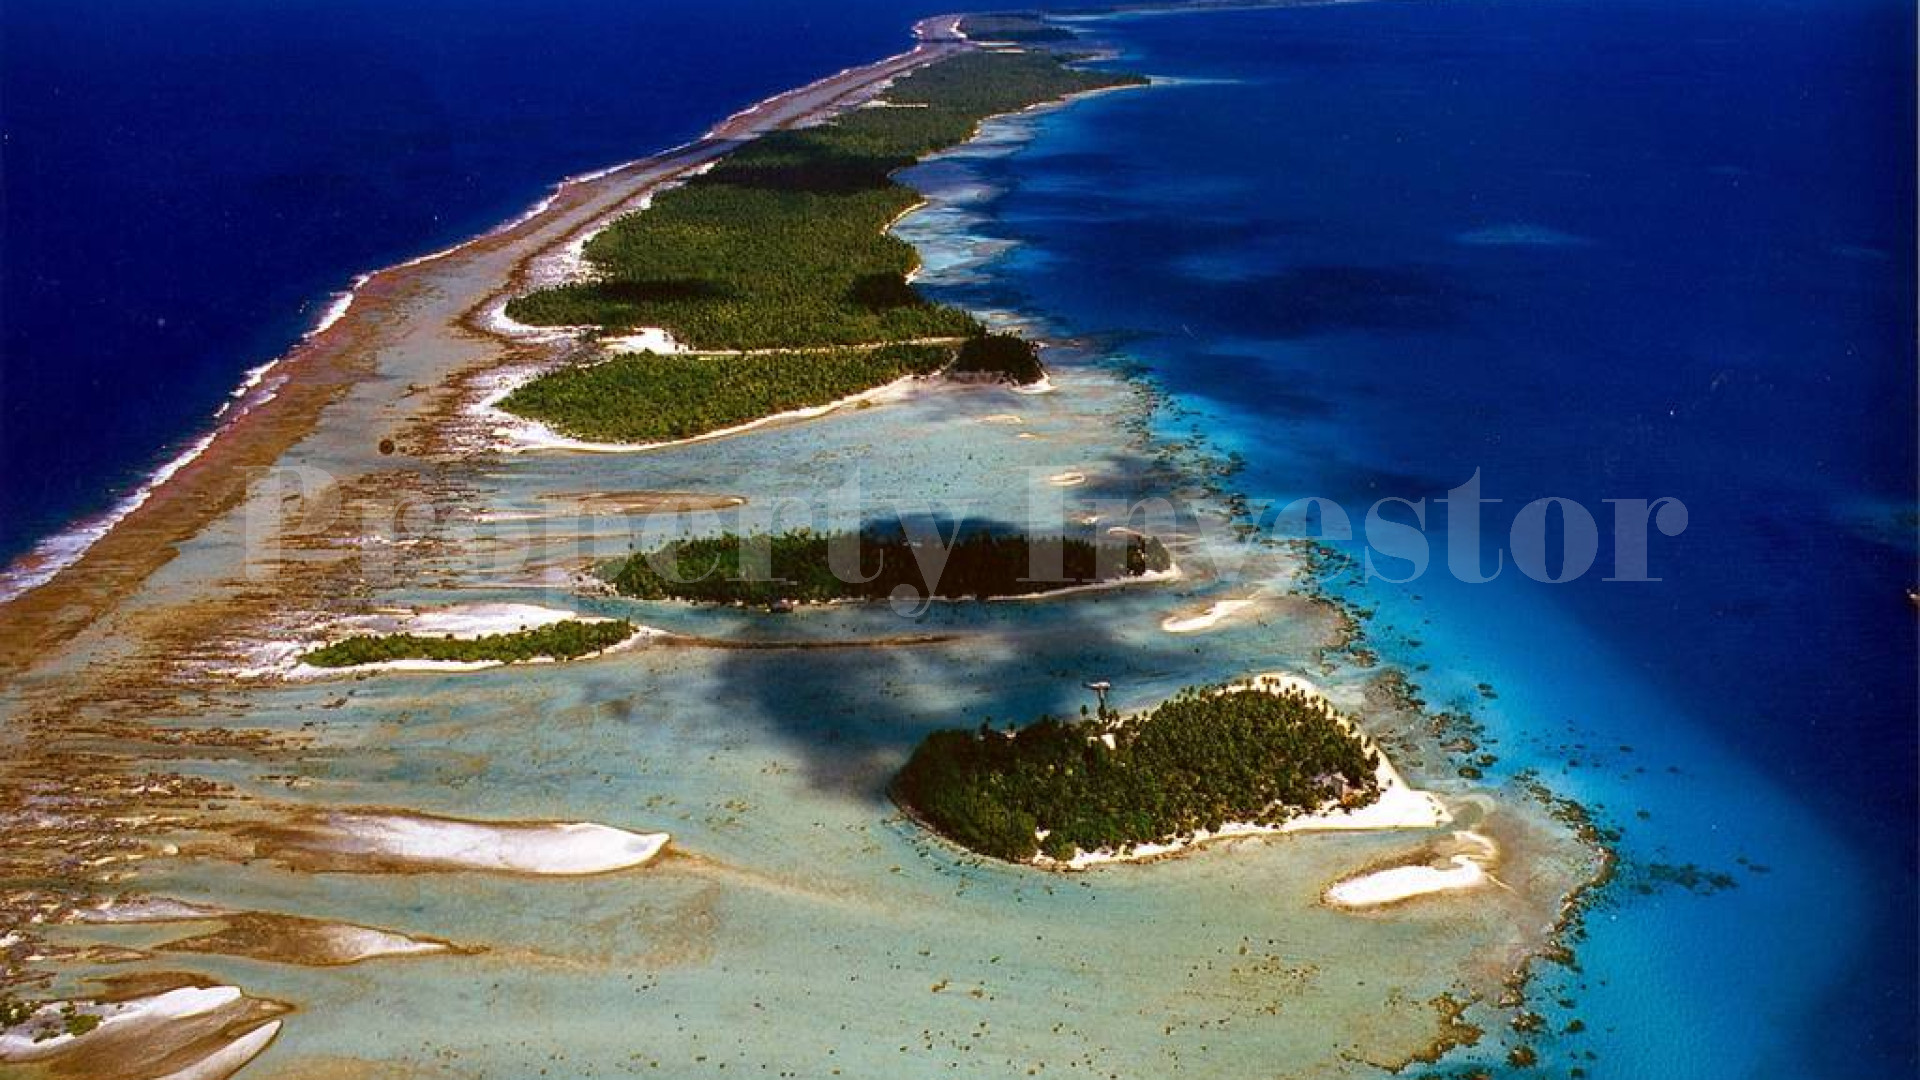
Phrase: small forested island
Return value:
(648, 398)
(566, 640)
(1003, 357)
(803, 566)
(1200, 760)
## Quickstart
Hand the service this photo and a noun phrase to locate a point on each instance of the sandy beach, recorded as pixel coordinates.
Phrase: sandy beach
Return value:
(1465, 869)
(1400, 806)
(404, 842)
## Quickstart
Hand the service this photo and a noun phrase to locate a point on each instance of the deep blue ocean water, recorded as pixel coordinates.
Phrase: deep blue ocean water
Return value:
(1594, 250)
(187, 181)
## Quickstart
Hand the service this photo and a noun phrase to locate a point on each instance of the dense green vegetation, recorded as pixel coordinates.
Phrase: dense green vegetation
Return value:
(66, 1020)
(1198, 761)
(1021, 27)
(783, 243)
(646, 397)
(555, 641)
(1002, 355)
(809, 567)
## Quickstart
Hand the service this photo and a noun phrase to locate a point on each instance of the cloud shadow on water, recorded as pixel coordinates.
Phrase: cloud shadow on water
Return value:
(1307, 301)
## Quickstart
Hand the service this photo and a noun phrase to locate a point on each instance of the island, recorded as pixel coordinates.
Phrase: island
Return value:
(774, 276)
(647, 398)
(1210, 756)
(803, 566)
(566, 640)
(784, 243)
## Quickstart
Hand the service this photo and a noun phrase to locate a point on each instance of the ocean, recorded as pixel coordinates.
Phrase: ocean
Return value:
(190, 185)
(1591, 251)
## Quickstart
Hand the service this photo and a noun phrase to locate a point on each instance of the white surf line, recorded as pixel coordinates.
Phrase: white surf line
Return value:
(63, 549)
(55, 553)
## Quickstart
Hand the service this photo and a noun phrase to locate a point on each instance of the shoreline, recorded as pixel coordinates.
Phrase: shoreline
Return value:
(285, 660)
(43, 594)
(1400, 806)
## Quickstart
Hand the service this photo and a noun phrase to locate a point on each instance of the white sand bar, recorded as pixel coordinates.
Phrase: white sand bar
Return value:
(472, 620)
(559, 849)
(23, 1042)
(1205, 620)
(345, 944)
(1405, 882)
(1465, 870)
(282, 659)
(147, 909)
(230, 1058)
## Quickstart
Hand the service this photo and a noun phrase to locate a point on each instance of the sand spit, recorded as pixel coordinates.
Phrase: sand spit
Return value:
(1148, 577)
(188, 1031)
(1463, 869)
(262, 935)
(290, 939)
(399, 842)
(1213, 615)
(639, 503)
(466, 621)
(1400, 806)
(146, 909)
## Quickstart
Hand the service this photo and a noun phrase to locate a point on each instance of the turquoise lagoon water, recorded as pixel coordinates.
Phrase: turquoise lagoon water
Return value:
(1595, 251)
(808, 928)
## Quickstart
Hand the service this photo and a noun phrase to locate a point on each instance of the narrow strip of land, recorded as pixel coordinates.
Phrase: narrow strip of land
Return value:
(421, 308)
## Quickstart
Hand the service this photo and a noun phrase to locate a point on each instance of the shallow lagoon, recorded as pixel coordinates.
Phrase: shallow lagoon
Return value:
(805, 925)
